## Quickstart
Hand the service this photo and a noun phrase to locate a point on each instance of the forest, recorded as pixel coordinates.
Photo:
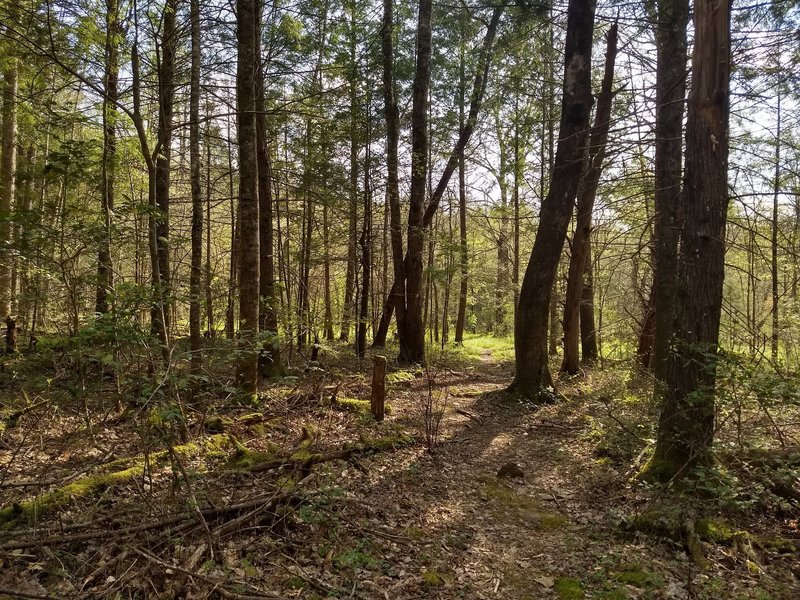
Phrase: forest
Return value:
(400, 300)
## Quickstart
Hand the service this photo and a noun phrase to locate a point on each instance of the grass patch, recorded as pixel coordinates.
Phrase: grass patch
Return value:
(568, 588)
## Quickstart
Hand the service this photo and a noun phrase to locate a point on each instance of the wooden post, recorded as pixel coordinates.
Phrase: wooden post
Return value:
(378, 388)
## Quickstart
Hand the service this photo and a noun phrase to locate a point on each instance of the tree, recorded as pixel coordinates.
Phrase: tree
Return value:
(105, 267)
(270, 357)
(532, 376)
(196, 275)
(247, 65)
(581, 242)
(8, 170)
(686, 425)
(407, 287)
(160, 316)
(672, 20)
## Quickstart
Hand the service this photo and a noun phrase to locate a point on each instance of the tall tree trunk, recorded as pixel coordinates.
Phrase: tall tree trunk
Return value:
(326, 275)
(160, 315)
(365, 242)
(588, 331)
(517, 177)
(105, 270)
(774, 244)
(196, 274)
(270, 356)
(530, 333)
(409, 321)
(352, 222)
(644, 349)
(413, 350)
(686, 426)
(248, 64)
(581, 239)
(8, 170)
(396, 299)
(672, 21)
(208, 273)
(462, 193)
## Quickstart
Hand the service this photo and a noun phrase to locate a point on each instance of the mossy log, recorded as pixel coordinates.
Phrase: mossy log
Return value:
(109, 475)
(303, 458)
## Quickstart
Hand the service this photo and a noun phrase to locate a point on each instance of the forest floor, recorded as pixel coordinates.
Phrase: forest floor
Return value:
(303, 495)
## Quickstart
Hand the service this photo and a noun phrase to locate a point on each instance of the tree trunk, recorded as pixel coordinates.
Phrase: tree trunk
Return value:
(644, 350)
(409, 321)
(247, 18)
(105, 270)
(672, 20)
(352, 222)
(396, 298)
(196, 274)
(366, 244)
(412, 340)
(8, 169)
(269, 357)
(774, 241)
(326, 275)
(160, 315)
(686, 426)
(530, 333)
(596, 152)
(588, 331)
(462, 196)
(208, 273)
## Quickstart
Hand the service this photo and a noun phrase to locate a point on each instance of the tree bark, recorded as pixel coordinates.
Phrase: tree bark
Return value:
(8, 169)
(412, 339)
(247, 16)
(409, 321)
(396, 298)
(672, 20)
(196, 274)
(105, 270)
(160, 315)
(530, 332)
(588, 331)
(774, 241)
(365, 242)
(581, 239)
(352, 221)
(270, 355)
(686, 426)
(462, 195)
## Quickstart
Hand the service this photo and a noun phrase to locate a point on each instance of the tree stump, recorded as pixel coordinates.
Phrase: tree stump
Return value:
(378, 399)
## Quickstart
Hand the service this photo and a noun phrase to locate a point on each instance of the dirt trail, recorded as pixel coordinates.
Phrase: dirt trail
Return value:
(552, 535)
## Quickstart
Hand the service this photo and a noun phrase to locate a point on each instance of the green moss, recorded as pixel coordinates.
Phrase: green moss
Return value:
(304, 455)
(362, 408)
(109, 475)
(354, 559)
(614, 594)
(399, 376)
(217, 424)
(507, 503)
(715, 531)
(32, 510)
(415, 533)
(550, 521)
(432, 578)
(389, 441)
(657, 470)
(568, 588)
(294, 583)
(635, 576)
(244, 458)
